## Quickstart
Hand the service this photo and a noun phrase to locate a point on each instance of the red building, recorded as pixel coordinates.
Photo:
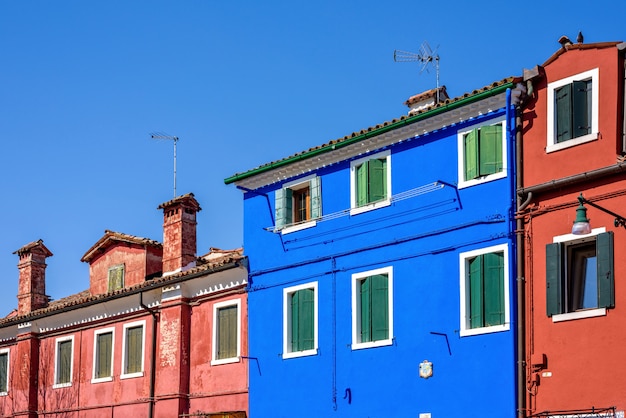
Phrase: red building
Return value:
(159, 333)
(575, 282)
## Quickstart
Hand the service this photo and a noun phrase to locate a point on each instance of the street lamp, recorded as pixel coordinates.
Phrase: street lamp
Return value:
(581, 223)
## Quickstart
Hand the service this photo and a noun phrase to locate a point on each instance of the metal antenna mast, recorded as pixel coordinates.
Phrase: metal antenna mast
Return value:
(426, 56)
(165, 137)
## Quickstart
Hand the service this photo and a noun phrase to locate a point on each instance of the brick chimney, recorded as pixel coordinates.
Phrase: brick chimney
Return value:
(31, 293)
(179, 233)
(426, 99)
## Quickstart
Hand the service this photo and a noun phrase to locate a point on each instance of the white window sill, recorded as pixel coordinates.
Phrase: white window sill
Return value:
(304, 353)
(372, 344)
(61, 385)
(371, 206)
(102, 379)
(571, 142)
(131, 375)
(484, 179)
(483, 330)
(4, 393)
(298, 227)
(225, 361)
(587, 313)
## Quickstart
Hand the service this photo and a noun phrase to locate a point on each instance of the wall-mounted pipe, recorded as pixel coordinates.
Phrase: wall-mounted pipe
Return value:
(153, 356)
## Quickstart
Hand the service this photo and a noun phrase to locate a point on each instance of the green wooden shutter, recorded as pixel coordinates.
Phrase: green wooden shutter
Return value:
(103, 355)
(606, 281)
(315, 186)
(306, 319)
(116, 278)
(377, 180)
(476, 292)
(361, 178)
(4, 366)
(227, 332)
(563, 103)
(581, 123)
(380, 307)
(493, 273)
(366, 308)
(554, 299)
(295, 321)
(134, 342)
(470, 149)
(283, 204)
(64, 361)
(490, 150)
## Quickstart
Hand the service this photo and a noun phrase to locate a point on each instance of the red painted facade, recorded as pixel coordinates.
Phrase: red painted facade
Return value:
(146, 349)
(574, 357)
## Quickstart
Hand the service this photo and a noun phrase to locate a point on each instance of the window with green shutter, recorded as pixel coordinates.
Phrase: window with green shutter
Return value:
(371, 181)
(103, 355)
(298, 203)
(484, 285)
(482, 151)
(133, 350)
(372, 311)
(573, 110)
(4, 372)
(300, 320)
(227, 332)
(579, 274)
(486, 290)
(64, 362)
(116, 277)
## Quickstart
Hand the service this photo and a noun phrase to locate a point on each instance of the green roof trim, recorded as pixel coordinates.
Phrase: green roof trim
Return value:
(383, 129)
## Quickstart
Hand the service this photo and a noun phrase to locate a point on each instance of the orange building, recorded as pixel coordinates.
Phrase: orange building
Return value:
(574, 292)
(159, 333)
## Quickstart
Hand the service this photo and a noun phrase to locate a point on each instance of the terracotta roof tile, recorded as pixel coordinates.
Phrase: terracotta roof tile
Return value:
(387, 123)
(213, 260)
(110, 237)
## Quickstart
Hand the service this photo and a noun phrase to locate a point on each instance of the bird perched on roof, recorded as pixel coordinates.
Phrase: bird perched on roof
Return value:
(564, 41)
(580, 38)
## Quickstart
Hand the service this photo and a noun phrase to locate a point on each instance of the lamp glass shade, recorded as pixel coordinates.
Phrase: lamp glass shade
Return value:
(581, 228)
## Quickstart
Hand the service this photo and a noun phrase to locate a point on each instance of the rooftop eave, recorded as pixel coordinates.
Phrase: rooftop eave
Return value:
(444, 114)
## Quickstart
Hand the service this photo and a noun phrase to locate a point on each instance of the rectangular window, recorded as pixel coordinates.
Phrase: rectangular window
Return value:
(298, 204)
(63, 361)
(116, 277)
(372, 308)
(226, 330)
(370, 182)
(482, 153)
(579, 275)
(103, 355)
(4, 371)
(572, 110)
(133, 350)
(300, 320)
(484, 290)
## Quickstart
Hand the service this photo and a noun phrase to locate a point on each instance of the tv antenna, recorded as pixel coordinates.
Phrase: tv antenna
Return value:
(426, 56)
(161, 136)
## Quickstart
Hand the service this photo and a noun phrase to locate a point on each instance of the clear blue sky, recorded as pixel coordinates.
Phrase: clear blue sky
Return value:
(241, 83)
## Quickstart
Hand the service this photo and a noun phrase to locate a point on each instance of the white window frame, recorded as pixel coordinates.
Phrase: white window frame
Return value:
(461, 154)
(551, 144)
(465, 330)
(356, 309)
(354, 210)
(56, 362)
(96, 333)
(571, 239)
(214, 360)
(142, 324)
(5, 391)
(287, 292)
(296, 185)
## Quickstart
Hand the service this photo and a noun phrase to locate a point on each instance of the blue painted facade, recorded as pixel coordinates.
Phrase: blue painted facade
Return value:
(432, 225)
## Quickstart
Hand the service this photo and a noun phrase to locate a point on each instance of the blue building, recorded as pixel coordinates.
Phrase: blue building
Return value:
(382, 267)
